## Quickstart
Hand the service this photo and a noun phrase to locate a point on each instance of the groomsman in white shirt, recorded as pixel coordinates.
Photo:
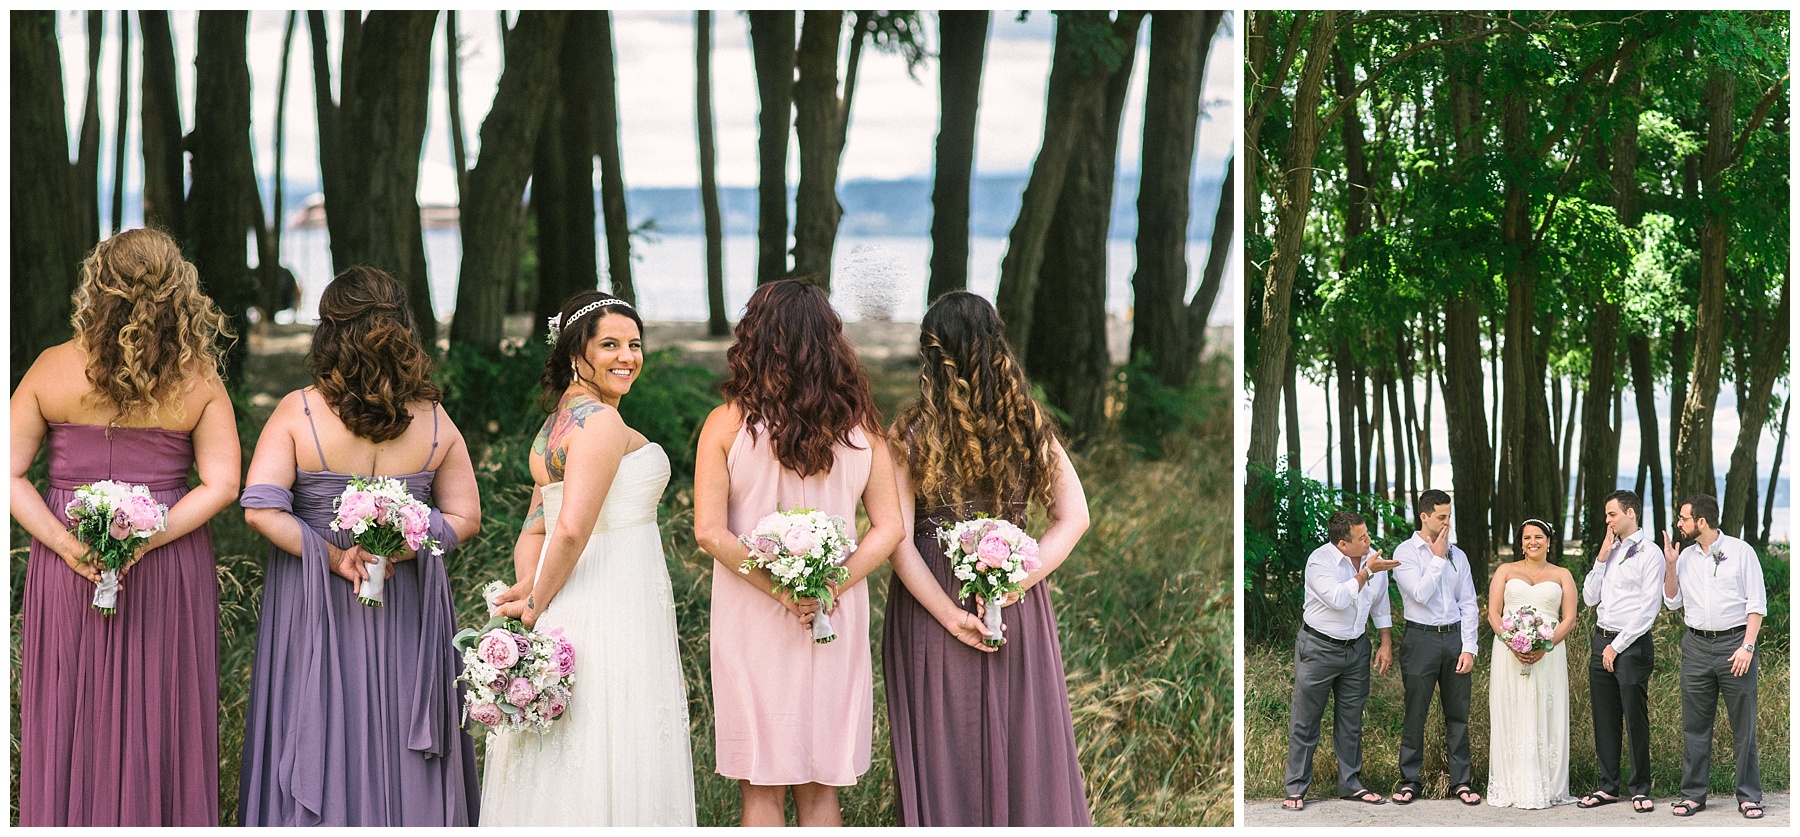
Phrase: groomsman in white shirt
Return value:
(1346, 587)
(1437, 652)
(1625, 588)
(1717, 584)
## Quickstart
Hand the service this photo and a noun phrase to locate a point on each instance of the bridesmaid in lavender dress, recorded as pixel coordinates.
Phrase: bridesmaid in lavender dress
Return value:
(353, 715)
(119, 715)
(982, 736)
(798, 430)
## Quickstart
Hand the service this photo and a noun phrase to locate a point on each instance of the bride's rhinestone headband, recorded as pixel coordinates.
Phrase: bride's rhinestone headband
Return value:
(556, 323)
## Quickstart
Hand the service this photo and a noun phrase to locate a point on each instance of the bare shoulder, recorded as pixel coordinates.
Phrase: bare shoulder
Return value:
(61, 363)
(722, 424)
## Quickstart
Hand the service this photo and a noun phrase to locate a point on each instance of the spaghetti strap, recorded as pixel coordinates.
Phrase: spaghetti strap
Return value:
(307, 406)
(434, 436)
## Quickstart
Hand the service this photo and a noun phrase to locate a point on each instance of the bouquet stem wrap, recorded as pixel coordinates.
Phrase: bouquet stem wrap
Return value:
(992, 620)
(822, 631)
(372, 586)
(106, 593)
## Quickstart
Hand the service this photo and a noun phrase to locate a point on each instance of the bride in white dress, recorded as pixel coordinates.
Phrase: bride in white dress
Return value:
(590, 563)
(1528, 694)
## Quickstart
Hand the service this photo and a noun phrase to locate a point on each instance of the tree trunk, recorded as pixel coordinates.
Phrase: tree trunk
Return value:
(1527, 485)
(772, 45)
(87, 159)
(1693, 447)
(1365, 433)
(1681, 353)
(1179, 41)
(1291, 397)
(273, 280)
(555, 190)
(612, 170)
(1295, 198)
(815, 126)
(493, 219)
(219, 204)
(1076, 89)
(1326, 407)
(1465, 417)
(962, 51)
(44, 252)
(1072, 362)
(1378, 433)
(1346, 375)
(121, 125)
(1218, 252)
(1753, 413)
(716, 323)
(165, 170)
(1768, 515)
(1599, 442)
(1397, 442)
(459, 156)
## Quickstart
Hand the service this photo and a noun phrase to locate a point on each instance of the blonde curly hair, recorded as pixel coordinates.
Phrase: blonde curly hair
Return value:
(141, 321)
(975, 434)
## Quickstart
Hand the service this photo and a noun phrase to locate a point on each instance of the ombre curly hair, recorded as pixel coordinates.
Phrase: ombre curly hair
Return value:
(975, 434)
(365, 358)
(142, 322)
(795, 376)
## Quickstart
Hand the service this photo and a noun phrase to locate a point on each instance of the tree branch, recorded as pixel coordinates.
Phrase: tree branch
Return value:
(1756, 119)
(1349, 99)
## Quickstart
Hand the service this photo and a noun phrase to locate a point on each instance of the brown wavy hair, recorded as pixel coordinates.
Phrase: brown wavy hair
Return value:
(975, 433)
(571, 341)
(366, 359)
(795, 376)
(141, 320)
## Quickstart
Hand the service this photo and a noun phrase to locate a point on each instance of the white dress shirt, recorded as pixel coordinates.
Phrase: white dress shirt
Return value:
(1624, 590)
(1718, 596)
(1436, 591)
(1334, 606)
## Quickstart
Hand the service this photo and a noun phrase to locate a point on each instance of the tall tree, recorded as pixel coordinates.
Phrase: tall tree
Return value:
(87, 159)
(493, 217)
(44, 252)
(562, 180)
(274, 280)
(219, 203)
(165, 175)
(772, 47)
(1179, 43)
(816, 124)
(1753, 413)
(121, 122)
(612, 167)
(459, 157)
(962, 50)
(1218, 252)
(716, 323)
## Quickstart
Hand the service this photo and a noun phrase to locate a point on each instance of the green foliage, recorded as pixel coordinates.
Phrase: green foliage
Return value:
(1275, 557)
(669, 403)
(1157, 412)
(1094, 46)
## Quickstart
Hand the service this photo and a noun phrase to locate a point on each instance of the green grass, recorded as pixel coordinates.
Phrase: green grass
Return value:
(1144, 609)
(1269, 680)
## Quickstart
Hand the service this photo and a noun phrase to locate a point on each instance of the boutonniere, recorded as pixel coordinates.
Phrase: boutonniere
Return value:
(1631, 550)
(1718, 556)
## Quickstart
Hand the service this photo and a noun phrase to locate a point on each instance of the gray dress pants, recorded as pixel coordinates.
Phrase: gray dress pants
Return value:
(1705, 676)
(1322, 670)
(1427, 664)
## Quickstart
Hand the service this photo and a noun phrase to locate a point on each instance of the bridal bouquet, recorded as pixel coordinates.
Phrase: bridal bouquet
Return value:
(385, 519)
(991, 557)
(114, 519)
(517, 679)
(804, 551)
(1526, 629)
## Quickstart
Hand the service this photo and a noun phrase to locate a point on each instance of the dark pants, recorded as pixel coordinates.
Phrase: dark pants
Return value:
(1621, 704)
(1705, 675)
(1427, 664)
(1326, 670)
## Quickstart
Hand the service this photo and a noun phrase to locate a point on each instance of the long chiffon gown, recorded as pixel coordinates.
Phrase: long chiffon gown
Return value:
(119, 715)
(620, 754)
(354, 710)
(790, 711)
(1528, 763)
(980, 739)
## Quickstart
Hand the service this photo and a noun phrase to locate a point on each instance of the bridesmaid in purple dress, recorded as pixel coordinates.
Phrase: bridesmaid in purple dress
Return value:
(353, 716)
(982, 736)
(798, 430)
(119, 715)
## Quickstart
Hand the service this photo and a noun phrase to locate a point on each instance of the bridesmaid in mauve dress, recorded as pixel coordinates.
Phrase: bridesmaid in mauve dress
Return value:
(119, 715)
(798, 430)
(354, 710)
(982, 736)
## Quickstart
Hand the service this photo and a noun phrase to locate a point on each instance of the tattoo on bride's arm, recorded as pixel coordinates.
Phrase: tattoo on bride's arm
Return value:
(536, 515)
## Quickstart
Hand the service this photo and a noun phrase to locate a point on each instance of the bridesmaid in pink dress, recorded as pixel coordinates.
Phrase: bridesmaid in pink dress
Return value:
(119, 715)
(798, 429)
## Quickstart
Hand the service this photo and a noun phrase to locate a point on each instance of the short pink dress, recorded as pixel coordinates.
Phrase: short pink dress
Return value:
(789, 711)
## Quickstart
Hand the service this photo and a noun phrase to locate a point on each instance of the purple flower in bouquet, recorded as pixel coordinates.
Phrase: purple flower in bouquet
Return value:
(563, 658)
(121, 526)
(519, 692)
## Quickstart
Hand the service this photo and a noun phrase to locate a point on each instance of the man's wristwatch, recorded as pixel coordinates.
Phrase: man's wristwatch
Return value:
(1750, 647)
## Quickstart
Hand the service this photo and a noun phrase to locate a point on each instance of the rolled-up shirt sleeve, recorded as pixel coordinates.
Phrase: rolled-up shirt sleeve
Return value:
(1381, 611)
(1468, 611)
(1676, 601)
(1756, 596)
(1590, 586)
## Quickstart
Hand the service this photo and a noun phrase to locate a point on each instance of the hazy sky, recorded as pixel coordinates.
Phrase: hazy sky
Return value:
(893, 123)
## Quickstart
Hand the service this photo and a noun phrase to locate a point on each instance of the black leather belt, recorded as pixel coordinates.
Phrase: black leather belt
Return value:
(1604, 633)
(1452, 628)
(1328, 637)
(1716, 634)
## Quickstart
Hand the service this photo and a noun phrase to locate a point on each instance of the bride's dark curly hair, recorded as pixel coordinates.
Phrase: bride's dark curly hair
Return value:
(975, 433)
(795, 376)
(366, 359)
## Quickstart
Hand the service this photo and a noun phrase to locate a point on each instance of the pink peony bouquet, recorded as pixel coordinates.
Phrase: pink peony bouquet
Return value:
(991, 558)
(804, 551)
(517, 679)
(1527, 629)
(114, 519)
(385, 519)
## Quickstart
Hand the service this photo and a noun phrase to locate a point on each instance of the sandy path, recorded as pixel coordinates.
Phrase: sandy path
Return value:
(1720, 811)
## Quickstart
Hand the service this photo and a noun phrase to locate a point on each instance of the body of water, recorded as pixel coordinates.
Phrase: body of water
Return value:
(881, 277)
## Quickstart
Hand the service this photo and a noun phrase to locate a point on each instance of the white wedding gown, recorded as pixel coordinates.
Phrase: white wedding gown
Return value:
(1528, 746)
(620, 754)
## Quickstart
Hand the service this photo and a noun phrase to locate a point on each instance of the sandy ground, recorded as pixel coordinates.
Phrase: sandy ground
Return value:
(1327, 813)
